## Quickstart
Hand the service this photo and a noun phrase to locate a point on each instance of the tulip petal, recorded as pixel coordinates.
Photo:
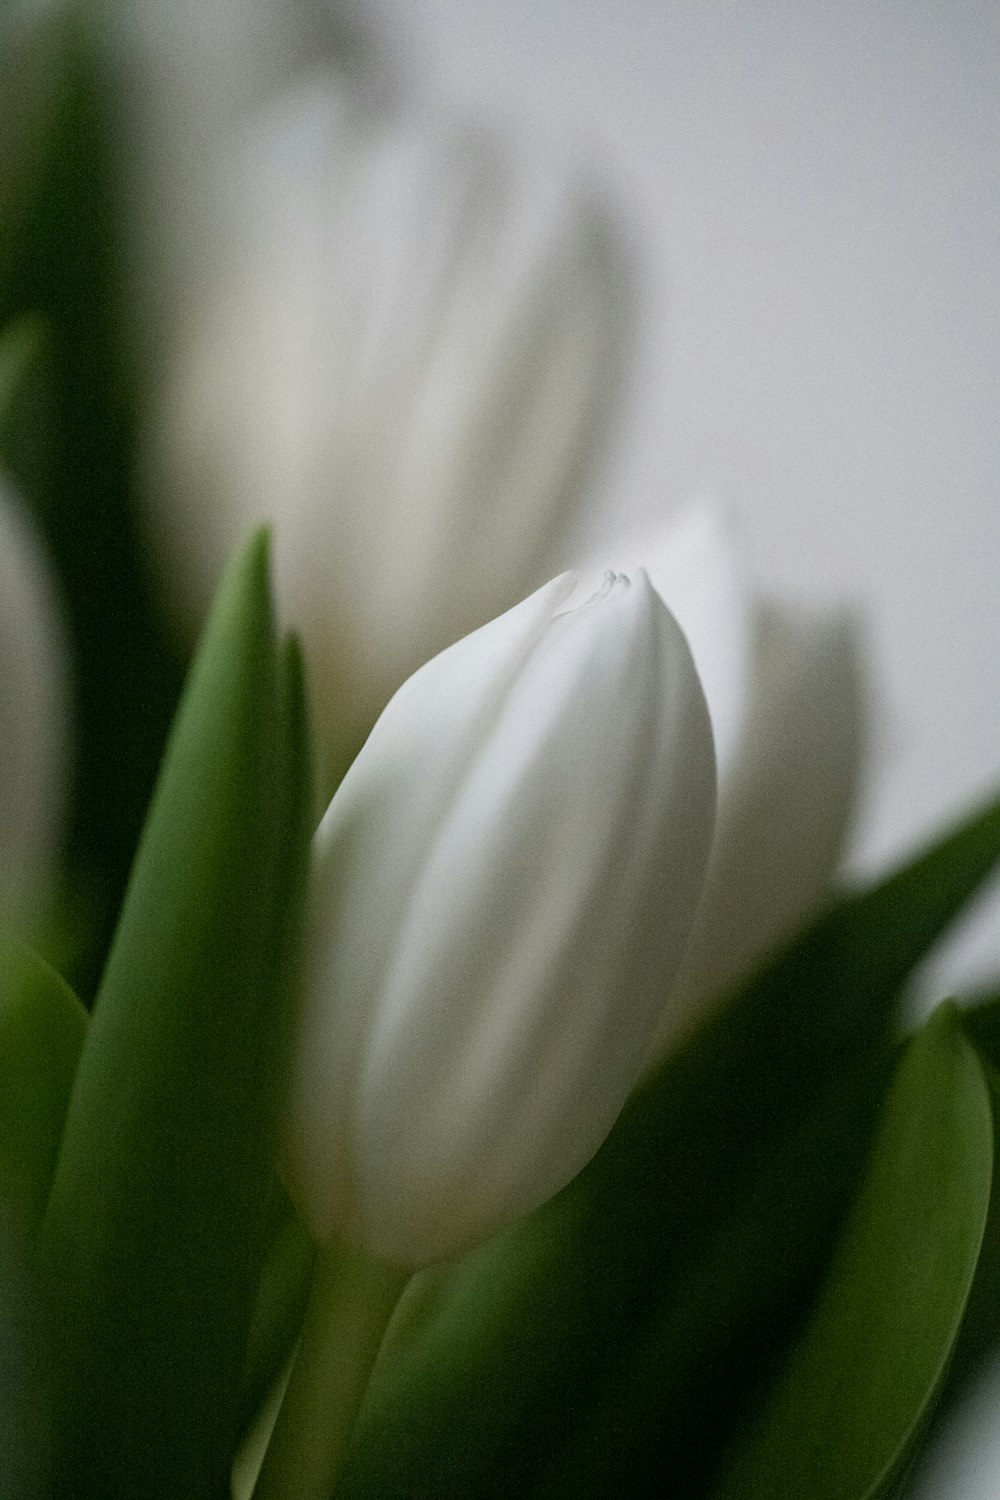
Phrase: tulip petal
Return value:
(785, 807)
(697, 568)
(786, 696)
(366, 856)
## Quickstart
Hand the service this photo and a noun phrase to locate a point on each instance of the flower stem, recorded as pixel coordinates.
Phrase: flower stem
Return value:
(351, 1300)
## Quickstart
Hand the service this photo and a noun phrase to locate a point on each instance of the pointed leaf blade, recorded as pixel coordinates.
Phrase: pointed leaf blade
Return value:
(850, 1404)
(42, 1028)
(153, 1233)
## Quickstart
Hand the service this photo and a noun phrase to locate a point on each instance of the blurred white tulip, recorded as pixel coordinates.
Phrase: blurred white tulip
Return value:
(502, 890)
(406, 364)
(32, 720)
(786, 692)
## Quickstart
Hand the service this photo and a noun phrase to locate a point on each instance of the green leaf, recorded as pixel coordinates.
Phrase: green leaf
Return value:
(155, 1230)
(981, 1327)
(850, 1404)
(720, 1313)
(701, 1223)
(981, 1020)
(42, 1027)
(25, 1367)
(19, 346)
(277, 1316)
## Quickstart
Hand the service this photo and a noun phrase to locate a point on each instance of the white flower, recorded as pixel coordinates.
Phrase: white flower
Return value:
(32, 719)
(404, 365)
(786, 694)
(503, 887)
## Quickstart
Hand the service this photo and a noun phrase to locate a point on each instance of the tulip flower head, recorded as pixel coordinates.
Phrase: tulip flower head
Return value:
(502, 890)
(404, 362)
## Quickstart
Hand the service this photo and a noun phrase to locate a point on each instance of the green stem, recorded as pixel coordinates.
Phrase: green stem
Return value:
(351, 1300)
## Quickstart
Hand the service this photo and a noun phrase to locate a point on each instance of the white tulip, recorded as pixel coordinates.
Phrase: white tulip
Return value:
(404, 365)
(32, 720)
(786, 695)
(503, 886)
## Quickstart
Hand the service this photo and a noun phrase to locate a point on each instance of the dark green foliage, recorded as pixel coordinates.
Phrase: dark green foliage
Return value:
(42, 1027)
(854, 1394)
(705, 1219)
(154, 1235)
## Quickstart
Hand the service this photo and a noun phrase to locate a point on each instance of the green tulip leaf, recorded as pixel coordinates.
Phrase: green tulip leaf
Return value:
(278, 1312)
(722, 1309)
(980, 1333)
(981, 1019)
(42, 1027)
(704, 1220)
(25, 1367)
(851, 1402)
(155, 1230)
(19, 348)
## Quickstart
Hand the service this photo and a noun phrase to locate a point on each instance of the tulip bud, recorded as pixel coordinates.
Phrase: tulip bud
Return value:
(502, 889)
(404, 365)
(32, 719)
